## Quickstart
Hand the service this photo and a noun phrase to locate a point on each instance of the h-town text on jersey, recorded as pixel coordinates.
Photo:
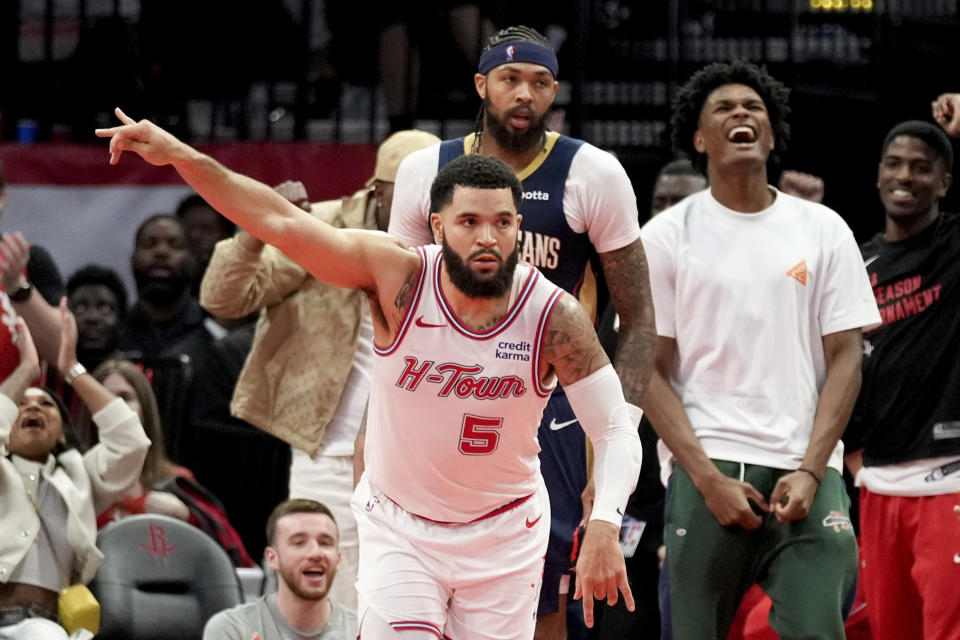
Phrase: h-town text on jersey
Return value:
(461, 380)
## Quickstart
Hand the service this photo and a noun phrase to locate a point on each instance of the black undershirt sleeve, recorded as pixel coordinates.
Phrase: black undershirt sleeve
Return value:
(43, 274)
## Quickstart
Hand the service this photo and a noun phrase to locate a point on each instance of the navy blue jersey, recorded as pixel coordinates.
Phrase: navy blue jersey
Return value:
(546, 239)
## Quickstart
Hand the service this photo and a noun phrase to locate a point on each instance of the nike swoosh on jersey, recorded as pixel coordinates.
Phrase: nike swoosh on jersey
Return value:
(530, 523)
(427, 325)
(556, 426)
(870, 260)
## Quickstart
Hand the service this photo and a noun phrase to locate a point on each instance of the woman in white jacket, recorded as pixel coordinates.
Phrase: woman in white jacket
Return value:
(49, 492)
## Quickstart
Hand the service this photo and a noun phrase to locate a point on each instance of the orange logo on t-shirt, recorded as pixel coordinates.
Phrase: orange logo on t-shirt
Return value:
(799, 272)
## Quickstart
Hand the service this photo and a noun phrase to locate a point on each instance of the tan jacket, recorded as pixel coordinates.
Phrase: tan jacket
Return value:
(306, 335)
(88, 484)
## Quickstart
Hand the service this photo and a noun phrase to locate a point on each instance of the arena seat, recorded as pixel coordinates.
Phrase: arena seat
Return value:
(161, 579)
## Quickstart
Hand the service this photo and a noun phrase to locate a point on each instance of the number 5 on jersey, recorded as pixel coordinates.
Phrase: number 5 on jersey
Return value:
(479, 435)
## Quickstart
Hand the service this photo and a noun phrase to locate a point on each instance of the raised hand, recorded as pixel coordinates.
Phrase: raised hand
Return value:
(295, 192)
(67, 356)
(28, 351)
(803, 185)
(14, 255)
(150, 142)
(29, 367)
(946, 111)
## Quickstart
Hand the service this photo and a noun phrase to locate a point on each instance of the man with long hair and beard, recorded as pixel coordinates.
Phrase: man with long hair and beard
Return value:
(579, 216)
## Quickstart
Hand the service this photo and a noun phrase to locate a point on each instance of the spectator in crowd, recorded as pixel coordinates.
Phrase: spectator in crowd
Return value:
(675, 181)
(204, 228)
(164, 487)
(165, 315)
(50, 492)
(304, 551)
(26, 267)
(737, 270)
(308, 376)
(97, 298)
(904, 438)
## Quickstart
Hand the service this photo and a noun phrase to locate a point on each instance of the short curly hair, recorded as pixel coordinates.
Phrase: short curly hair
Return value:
(474, 170)
(690, 98)
(95, 274)
(931, 135)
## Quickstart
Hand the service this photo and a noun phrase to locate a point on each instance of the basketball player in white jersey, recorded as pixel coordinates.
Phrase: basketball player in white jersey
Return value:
(452, 513)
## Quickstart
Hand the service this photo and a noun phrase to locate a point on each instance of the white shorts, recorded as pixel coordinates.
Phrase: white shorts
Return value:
(456, 581)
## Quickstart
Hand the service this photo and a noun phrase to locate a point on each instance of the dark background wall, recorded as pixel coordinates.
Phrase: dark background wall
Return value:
(855, 69)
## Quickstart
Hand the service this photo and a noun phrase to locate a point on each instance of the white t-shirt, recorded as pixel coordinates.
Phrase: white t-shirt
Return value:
(341, 432)
(748, 297)
(598, 198)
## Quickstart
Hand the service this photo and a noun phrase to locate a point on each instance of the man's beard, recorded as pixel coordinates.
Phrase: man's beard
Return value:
(472, 285)
(161, 292)
(289, 576)
(510, 140)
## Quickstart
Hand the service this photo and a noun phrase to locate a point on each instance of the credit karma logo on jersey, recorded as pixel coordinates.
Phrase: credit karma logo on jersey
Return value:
(461, 380)
(513, 351)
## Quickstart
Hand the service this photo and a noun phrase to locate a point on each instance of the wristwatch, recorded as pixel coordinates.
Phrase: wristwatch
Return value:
(75, 372)
(22, 294)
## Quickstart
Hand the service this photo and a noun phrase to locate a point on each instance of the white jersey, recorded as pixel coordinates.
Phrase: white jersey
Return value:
(748, 299)
(454, 412)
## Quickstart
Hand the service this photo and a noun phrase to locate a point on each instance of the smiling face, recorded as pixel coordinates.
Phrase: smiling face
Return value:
(911, 179)
(517, 97)
(734, 129)
(478, 231)
(305, 554)
(39, 427)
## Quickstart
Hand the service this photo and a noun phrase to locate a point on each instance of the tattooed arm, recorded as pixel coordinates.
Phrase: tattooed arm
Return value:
(625, 270)
(573, 352)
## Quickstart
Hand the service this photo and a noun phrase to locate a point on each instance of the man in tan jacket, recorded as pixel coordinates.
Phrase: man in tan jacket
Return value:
(307, 377)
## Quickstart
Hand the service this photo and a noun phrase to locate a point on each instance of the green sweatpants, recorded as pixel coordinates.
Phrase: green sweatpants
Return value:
(807, 567)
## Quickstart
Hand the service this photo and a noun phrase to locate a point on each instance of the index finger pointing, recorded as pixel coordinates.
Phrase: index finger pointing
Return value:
(124, 118)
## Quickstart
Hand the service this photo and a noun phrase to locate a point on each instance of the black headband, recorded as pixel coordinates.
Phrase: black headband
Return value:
(521, 51)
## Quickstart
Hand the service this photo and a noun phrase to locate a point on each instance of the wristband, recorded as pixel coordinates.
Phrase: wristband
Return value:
(75, 371)
(22, 294)
(815, 476)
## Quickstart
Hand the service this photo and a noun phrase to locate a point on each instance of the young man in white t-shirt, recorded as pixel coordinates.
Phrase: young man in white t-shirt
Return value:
(760, 302)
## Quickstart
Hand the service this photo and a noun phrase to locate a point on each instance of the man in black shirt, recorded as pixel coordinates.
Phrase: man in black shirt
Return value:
(905, 430)
(166, 318)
